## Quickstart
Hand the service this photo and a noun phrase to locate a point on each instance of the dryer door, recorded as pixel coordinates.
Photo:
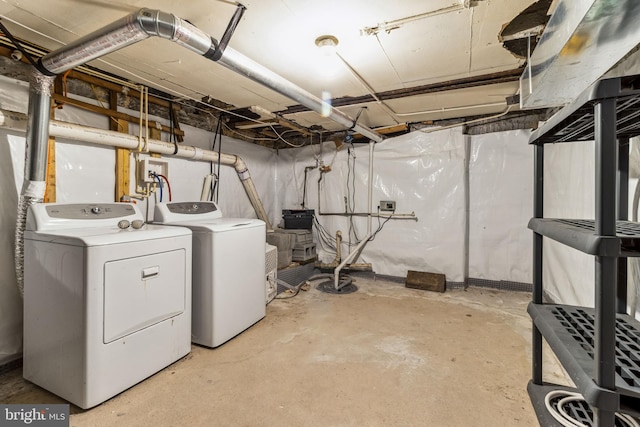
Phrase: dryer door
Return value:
(142, 291)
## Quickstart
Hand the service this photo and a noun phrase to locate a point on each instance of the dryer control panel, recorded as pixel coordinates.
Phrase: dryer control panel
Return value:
(94, 211)
(59, 216)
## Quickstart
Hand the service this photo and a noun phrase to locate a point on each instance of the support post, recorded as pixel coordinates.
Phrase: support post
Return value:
(606, 267)
(538, 211)
(622, 209)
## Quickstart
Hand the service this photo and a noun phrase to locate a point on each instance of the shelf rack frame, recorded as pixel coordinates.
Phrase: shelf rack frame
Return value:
(601, 356)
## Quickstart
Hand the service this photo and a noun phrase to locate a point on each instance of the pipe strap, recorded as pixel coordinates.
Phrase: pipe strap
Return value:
(198, 153)
(41, 84)
(244, 174)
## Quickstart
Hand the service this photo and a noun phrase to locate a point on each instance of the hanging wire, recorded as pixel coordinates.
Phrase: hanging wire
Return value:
(219, 135)
(351, 192)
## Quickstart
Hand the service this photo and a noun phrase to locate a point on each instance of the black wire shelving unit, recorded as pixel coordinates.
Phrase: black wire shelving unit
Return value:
(599, 347)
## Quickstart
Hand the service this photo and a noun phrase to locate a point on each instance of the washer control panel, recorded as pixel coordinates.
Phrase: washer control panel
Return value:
(167, 213)
(192, 208)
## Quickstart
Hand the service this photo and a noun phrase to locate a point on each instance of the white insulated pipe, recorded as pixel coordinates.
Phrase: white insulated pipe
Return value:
(18, 121)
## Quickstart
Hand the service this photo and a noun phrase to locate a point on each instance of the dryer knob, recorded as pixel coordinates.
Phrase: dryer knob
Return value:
(137, 224)
(96, 210)
(123, 224)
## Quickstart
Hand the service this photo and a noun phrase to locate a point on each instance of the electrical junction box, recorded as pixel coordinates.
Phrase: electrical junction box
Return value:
(387, 205)
(152, 164)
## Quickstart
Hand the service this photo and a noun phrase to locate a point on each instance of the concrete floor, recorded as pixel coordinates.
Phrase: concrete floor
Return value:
(383, 356)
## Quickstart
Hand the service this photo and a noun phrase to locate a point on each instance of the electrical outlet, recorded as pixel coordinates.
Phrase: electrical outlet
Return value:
(387, 205)
(152, 164)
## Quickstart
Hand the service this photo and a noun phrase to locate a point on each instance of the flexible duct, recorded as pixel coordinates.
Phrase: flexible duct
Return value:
(35, 167)
(17, 121)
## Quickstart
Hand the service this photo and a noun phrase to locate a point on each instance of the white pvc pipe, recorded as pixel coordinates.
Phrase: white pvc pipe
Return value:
(206, 188)
(347, 259)
(18, 121)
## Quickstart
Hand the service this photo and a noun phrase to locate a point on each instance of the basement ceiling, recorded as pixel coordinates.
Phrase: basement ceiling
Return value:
(386, 48)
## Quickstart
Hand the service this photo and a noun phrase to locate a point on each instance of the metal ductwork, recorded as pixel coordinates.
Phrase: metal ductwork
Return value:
(582, 41)
(146, 23)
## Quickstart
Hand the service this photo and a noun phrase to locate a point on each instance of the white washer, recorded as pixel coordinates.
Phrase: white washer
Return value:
(104, 307)
(228, 269)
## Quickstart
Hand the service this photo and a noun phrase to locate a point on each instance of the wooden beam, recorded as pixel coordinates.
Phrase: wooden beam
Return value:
(123, 163)
(116, 87)
(50, 191)
(463, 83)
(109, 112)
(155, 133)
(123, 155)
(403, 127)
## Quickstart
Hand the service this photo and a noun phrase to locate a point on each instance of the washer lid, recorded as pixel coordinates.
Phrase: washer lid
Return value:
(173, 212)
(222, 224)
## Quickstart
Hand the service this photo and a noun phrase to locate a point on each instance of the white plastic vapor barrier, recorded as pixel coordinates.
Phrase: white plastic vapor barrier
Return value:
(568, 274)
(84, 172)
(421, 172)
(500, 206)
(11, 174)
(13, 96)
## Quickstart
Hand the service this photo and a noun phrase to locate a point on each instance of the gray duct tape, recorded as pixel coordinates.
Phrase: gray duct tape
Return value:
(244, 175)
(39, 83)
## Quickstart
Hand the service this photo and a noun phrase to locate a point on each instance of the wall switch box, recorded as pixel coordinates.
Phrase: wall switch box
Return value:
(152, 164)
(387, 205)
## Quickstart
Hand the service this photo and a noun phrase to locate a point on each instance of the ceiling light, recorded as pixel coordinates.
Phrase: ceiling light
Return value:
(327, 44)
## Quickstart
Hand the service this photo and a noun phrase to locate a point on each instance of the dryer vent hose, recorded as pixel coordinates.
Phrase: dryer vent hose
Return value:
(27, 198)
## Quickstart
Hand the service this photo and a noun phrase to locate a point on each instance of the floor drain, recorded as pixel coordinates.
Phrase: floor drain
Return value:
(329, 288)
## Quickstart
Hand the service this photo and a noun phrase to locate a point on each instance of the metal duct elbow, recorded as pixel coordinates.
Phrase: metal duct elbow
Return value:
(168, 26)
(124, 32)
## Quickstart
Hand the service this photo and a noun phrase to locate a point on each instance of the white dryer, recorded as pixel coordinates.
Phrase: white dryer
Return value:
(106, 305)
(228, 269)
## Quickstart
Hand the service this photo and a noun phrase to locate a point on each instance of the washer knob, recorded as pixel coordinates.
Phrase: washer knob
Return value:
(123, 224)
(137, 224)
(96, 210)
